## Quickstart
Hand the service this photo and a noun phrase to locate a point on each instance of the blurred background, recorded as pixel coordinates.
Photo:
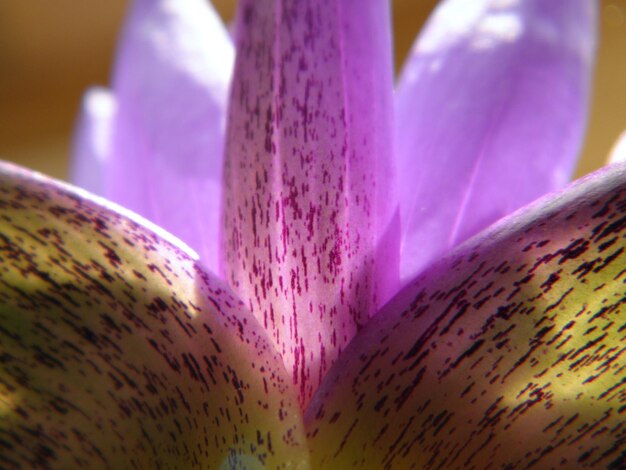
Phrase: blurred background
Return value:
(51, 51)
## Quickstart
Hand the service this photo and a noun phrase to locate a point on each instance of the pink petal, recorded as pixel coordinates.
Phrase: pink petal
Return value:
(490, 115)
(120, 351)
(508, 353)
(92, 142)
(171, 82)
(309, 238)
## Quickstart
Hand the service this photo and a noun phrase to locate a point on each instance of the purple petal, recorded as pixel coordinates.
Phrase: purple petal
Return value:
(171, 82)
(92, 143)
(490, 115)
(309, 238)
(120, 351)
(508, 353)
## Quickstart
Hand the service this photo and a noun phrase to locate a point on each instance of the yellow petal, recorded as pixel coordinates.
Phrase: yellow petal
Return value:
(118, 350)
(508, 353)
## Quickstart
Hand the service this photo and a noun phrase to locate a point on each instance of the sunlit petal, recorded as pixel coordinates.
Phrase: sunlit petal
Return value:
(490, 113)
(117, 350)
(171, 81)
(92, 142)
(509, 353)
(618, 152)
(309, 197)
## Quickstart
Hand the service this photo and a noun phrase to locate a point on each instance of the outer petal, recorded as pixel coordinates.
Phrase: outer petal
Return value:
(92, 143)
(171, 81)
(510, 353)
(308, 198)
(117, 350)
(490, 112)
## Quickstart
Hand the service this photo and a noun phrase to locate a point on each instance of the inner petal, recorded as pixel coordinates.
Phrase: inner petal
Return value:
(310, 239)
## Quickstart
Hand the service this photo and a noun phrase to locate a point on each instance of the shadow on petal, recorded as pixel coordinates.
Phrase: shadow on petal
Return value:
(118, 349)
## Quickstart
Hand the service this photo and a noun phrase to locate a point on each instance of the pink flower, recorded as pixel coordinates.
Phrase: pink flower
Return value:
(336, 308)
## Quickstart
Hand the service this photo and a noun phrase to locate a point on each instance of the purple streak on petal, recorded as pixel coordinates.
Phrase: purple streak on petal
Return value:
(309, 238)
(490, 114)
(172, 81)
(92, 142)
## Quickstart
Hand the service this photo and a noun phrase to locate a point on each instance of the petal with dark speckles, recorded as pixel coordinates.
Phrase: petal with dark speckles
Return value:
(508, 353)
(310, 237)
(117, 350)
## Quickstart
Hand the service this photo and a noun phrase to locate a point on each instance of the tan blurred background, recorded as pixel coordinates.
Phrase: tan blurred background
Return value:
(51, 51)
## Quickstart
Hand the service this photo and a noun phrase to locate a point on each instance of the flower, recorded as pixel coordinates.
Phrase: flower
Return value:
(121, 345)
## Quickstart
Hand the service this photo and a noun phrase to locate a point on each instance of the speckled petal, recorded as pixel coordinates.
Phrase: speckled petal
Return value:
(171, 81)
(92, 142)
(490, 114)
(117, 350)
(310, 241)
(509, 353)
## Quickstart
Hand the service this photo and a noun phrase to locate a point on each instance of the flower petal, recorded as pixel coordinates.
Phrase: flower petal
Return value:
(119, 351)
(171, 81)
(92, 143)
(490, 113)
(618, 152)
(509, 353)
(309, 240)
